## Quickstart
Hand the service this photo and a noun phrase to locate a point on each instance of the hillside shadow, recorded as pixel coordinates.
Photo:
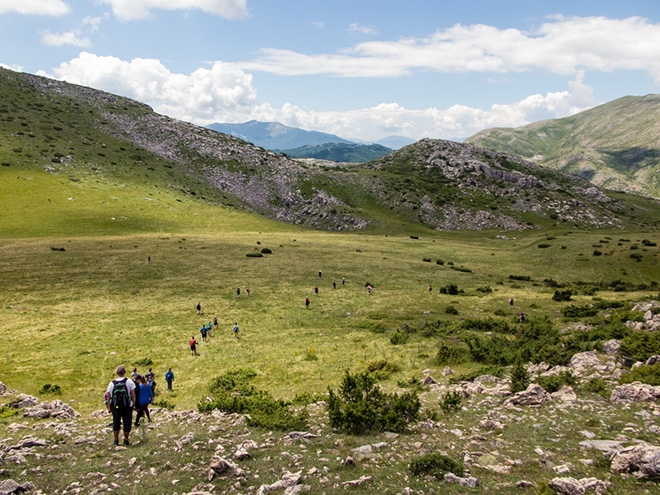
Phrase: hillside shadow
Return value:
(632, 159)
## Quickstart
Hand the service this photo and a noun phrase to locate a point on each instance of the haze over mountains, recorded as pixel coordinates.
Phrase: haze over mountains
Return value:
(77, 138)
(615, 145)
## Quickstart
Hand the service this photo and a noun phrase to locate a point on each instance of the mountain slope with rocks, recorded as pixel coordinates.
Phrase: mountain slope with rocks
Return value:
(614, 145)
(74, 131)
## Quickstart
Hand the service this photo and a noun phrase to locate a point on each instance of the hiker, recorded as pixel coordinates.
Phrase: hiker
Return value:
(343, 281)
(316, 290)
(122, 398)
(369, 289)
(307, 303)
(144, 398)
(148, 258)
(334, 284)
(236, 330)
(203, 332)
(169, 378)
(521, 318)
(238, 292)
(149, 375)
(248, 291)
(209, 327)
(199, 308)
(319, 273)
(430, 288)
(215, 321)
(135, 375)
(193, 346)
(511, 302)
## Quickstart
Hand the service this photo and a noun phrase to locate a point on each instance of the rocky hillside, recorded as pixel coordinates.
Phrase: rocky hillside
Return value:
(61, 128)
(595, 435)
(614, 145)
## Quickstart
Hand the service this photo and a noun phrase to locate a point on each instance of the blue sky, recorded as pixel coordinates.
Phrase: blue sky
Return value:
(362, 69)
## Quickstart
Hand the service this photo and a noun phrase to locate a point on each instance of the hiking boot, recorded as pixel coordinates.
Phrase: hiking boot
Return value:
(115, 443)
(126, 443)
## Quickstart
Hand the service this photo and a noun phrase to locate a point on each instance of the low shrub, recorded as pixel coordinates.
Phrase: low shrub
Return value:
(426, 260)
(486, 289)
(522, 278)
(543, 245)
(573, 311)
(165, 404)
(519, 378)
(451, 289)
(372, 326)
(448, 354)
(451, 401)
(254, 255)
(360, 407)
(484, 370)
(553, 383)
(639, 345)
(7, 411)
(451, 310)
(143, 362)
(398, 337)
(562, 295)
(50, 389)
(266, 251)
(644, 374)
(597, 386)
(487, 325)
(435, 465)
(439, 262)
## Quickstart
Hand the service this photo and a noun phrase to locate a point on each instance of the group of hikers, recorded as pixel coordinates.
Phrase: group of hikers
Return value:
(207, 332)
(124, 395)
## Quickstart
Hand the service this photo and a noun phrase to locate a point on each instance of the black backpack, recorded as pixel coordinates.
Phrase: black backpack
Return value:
(120, 396)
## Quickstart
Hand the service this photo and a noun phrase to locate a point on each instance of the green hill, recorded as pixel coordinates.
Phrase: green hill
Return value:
(340, 152)
(614, 145)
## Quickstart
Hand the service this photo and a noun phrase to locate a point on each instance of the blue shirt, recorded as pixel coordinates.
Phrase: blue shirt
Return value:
(144, 395)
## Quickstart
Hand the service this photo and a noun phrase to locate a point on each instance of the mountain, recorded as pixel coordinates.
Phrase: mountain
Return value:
(615, 145)
(340, 152)
(275, 136)
(109, 159)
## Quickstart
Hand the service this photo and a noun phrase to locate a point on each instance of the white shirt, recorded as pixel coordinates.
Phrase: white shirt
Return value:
(130, 385)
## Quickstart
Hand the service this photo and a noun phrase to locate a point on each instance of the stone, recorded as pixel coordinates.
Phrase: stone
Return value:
(611, 346)
(572, 486)
(357, 482)
(606, 446)
(564, 394)
(10, 487)
(288, 480)
(428, 381)
(643, 461)
(534, 395)
(349, 461)
(652, 360)
(446, 371)
(220, 465)
(470, 481)
(3, 388)
(583, 361)
(635, 392)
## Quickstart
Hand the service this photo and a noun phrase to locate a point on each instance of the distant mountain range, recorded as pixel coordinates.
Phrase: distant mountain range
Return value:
(615, 145)
(275, 136)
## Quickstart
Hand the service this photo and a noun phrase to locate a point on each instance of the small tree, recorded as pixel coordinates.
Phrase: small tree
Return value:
(519, 378)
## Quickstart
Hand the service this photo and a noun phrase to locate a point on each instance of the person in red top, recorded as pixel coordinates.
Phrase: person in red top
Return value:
(193, 346)
(307, 303)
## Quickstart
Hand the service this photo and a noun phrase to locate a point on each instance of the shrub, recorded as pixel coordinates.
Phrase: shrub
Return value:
(646, 242)
(451, 401)
(50, 389)
(266, 251)
(7, 411)
(451, 289)
(360, 407)
(426, 260)
(398, 337)
(435, 465)
(519, 378)
(639, 346)
(254, 255)
(143, 362)
(310, 355)
(637, 257)
(447, 354)
(451, 310)
(543, 245)
(485, 289)
(644, 374)
(232, 393)
(553, 383)
(484, 370)
(487, 325)
(597, 252)
(164, 403)
(597, 386)
(573, 311)
(439, 262)
(562, 295)
(381, 369)
(522, 278)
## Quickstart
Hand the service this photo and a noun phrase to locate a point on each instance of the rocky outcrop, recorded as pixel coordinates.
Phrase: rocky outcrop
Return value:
(572, 486)
(534, 395)
(635, 392)
(643, 461)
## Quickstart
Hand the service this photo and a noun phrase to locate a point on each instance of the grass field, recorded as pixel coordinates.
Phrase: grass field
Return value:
(70, 317)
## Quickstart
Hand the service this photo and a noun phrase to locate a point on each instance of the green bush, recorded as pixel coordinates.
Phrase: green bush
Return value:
(573, 311)
(143, 362)
(165, 404)
(7, 411)
(398, 337)
(487, 325)
(562, 295)
(448, 354)
(254, 255)
(644, 374)
(451, 401)
(522, 278)
(232, 393)
(553, 383)
(50, 389)
(451, 289)
(639, 345)
(451, 310)
(360, 407)
(266, 251)
(543, 245)
(485, 289)
(519, 378)
(381, 369)
(435, 465)
(597, 386)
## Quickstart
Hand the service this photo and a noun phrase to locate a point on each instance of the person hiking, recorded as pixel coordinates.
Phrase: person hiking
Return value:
(369, 289)
(215, 322)
(236, 330)
(209, 327)
(169, 378)
(199, 308)
(319, 273)
(430, 288)
(144, 398)
(120, 404)
(248, 291)
(135, 375)
(238, 292)
(316, 290)
(203, 332)
(307, 303)
(193, 346)
(334, 284)
(521, 318)
(511, 302)
(343, 281)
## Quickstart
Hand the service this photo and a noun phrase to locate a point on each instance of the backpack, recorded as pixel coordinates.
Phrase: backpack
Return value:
(120, 398)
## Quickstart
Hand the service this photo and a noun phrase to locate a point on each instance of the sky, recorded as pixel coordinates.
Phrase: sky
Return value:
(361, 69)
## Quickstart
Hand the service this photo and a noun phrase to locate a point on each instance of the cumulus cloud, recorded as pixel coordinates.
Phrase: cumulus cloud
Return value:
(34, 7)
(129, 10)
(455, 122)
(69, 38)
(223, 93)
(560, 45)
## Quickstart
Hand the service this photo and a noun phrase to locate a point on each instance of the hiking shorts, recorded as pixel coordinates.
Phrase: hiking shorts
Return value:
(119, 415)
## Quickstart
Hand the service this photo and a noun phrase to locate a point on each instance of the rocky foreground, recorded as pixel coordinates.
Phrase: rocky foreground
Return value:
(569, 442)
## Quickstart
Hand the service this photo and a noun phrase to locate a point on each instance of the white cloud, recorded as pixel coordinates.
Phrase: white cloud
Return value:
(318, 24)
(60, 39)
(223, 93)
(129, 10)
(456, 122)
(34, 7)
(356, 28)
(560, 45)
(16, 68)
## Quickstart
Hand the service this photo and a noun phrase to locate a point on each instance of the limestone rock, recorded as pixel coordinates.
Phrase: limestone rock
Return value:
(564, 394)
(3, 388)
(470, 481)
(635, 392)
(534, 395)
(288, 480)
(611, 346)
(359, 481)
(572, 486)
(446, 371)
(643, 461)
(220, 465)
(55, 409)
(10, 487)
(428, 381)
(583, 361)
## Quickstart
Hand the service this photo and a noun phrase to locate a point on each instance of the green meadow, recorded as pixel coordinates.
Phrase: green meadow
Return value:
(70, 317)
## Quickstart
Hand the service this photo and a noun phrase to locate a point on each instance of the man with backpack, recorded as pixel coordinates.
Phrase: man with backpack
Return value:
(169, 378)
(122, 399)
